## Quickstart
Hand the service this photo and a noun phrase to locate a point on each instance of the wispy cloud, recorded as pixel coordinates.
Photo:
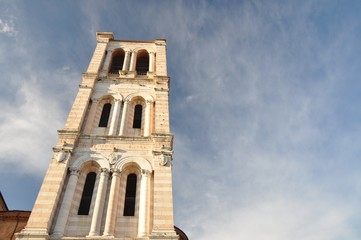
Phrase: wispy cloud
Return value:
(7, 27)
(29, 121)
(264, 106)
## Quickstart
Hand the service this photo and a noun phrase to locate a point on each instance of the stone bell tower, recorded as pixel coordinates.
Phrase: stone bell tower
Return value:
(111, 172)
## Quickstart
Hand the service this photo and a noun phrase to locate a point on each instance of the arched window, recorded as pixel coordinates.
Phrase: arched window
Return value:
(117, 61)
(137, 120)
(103, 122)
(130, 192)
(142, 65)
(86, 197)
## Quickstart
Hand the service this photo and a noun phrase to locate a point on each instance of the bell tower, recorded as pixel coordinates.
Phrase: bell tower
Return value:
(111, 171)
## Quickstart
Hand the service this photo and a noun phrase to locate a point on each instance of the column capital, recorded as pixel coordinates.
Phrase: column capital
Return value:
(126, 101)
(104, 171)
(115, 172)
(95, 100)
(74, 171)
(146, 173)
(148, 101)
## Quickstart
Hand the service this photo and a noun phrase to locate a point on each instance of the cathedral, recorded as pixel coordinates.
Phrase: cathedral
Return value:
(110, 176)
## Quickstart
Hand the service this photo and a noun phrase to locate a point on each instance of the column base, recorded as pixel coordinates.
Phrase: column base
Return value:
(93, 236)
(56, 235)
(33, 233)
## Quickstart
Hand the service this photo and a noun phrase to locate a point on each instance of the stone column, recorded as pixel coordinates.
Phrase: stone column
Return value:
(147, 118)
(99, 203)
(66, 204)
(114, 120)
(132, 61)
(90, 119)
(143, 204)
(126, 60)
(151, 62)
(110, 219)
(124, 118)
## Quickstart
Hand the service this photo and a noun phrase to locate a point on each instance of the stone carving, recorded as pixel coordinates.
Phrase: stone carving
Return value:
(164, 159)
(163, 155)
(62, 156)
(63, 153)
(113, 157)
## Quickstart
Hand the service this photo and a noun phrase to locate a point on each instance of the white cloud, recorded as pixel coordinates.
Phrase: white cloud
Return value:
(279, 218)
(259, 159)
(8, 27)
(29, 122)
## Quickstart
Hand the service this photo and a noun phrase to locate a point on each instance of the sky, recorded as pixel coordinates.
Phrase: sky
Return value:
(264, 102)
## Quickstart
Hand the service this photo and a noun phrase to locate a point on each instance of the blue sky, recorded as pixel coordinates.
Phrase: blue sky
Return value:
(264, 106)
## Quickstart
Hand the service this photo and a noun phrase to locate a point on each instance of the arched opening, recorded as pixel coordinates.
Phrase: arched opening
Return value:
(86, 197)
(103, 122)
(137, 120)
(142, 64)
(130, 195)
(117, 61)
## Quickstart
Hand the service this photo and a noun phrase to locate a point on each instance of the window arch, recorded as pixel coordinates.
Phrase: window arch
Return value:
(137, 119)
(142, 64)
(130, 195)
(117, 61)
(87, 194)
(103, 122)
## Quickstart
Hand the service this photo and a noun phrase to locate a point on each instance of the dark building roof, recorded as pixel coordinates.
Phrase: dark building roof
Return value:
(182, 235)
(3, 206)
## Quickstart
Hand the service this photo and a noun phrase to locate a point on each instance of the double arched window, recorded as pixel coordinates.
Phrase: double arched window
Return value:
(130, 194)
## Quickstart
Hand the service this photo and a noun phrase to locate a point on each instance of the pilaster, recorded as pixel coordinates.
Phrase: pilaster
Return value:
(161, 57)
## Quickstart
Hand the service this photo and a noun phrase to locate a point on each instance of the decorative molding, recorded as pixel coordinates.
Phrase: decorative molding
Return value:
(79, 162)
(85, 86)
(141, 162)
(144, 95)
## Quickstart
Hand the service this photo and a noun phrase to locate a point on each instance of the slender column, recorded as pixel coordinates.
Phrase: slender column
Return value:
(90, 119)
(143, 204)
(107, 60)
(115, 115)
(66, 204)
(147, 118)
(112, 205)
(132, 61)
(151, 62)
(126, 60)
(99, 203)
(124, 118)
